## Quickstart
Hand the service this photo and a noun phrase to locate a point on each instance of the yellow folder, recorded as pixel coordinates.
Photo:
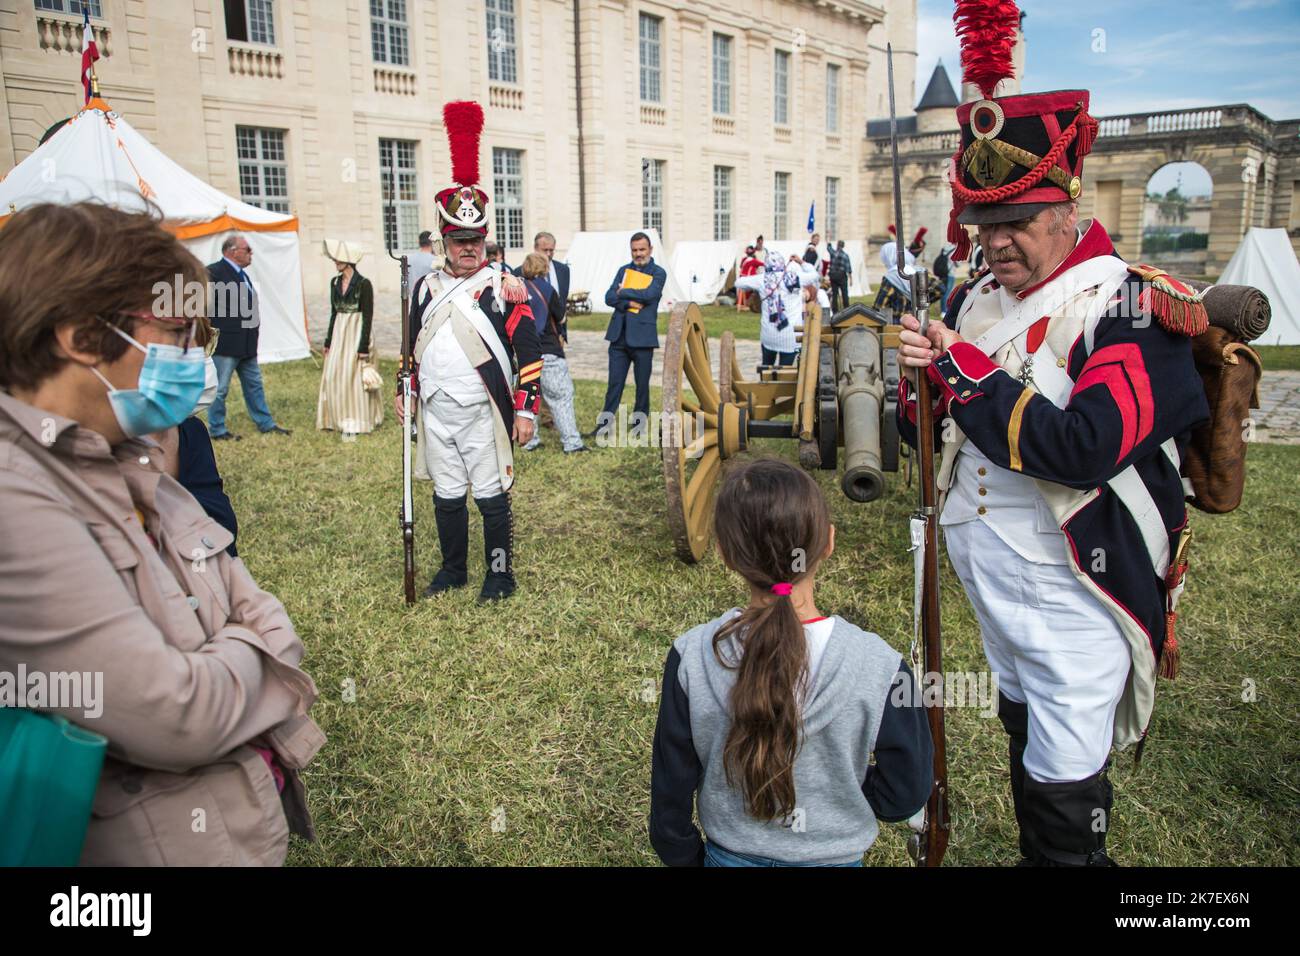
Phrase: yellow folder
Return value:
(635, 280)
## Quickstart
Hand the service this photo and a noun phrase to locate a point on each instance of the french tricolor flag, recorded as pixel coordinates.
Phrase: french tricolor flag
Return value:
(89, 51)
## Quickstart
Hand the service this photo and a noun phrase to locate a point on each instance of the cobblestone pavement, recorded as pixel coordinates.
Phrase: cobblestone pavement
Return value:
(1278, 417)
(1277, 420)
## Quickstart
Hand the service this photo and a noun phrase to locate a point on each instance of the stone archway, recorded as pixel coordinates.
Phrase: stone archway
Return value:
(1176, 214)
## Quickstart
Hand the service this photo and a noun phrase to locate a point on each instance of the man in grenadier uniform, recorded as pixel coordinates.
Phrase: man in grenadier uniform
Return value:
(468, 323)
(1065, 394)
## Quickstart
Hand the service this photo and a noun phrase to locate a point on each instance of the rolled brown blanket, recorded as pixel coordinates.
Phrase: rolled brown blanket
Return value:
(1241, 309)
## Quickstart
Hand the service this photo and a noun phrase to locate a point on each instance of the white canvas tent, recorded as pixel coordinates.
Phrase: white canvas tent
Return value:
(98, 156)
(854, 247)
(594, 258)
(1266, 261)
(702, 269)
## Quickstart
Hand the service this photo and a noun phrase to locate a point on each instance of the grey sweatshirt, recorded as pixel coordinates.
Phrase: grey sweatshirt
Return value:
(834, 820)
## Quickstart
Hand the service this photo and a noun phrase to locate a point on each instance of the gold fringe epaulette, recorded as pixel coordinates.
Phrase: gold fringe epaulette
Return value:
(1176, 307)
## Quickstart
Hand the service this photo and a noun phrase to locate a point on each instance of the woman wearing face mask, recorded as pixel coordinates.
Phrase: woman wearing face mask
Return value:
(109, 568)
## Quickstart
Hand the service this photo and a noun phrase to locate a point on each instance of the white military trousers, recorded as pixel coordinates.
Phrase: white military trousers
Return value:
(1051, 645)
(460, 447)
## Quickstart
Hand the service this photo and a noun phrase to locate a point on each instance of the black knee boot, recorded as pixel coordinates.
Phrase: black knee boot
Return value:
(452, 517)
(1070, 820)
(498, 547)
(1015, 720)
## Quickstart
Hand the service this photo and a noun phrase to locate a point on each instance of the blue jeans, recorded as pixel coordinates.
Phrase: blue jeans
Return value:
(250, 380)
(770, 357)
(715, 855)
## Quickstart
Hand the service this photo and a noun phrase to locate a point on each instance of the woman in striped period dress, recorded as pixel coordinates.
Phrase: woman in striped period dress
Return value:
(345, 404)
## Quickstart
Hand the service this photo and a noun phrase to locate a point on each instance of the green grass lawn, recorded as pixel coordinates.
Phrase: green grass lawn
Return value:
(521, 733)
(1279, 357)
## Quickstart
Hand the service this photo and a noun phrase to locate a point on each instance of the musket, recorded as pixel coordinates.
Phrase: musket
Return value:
(929, 843)
(405, 369)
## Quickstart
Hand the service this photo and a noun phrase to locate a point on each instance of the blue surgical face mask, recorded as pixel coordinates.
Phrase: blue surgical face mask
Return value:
(171, 381)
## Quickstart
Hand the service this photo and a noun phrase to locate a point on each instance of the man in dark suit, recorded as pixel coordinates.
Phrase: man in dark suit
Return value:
(235, 314)
(633, 335)
(544, 243)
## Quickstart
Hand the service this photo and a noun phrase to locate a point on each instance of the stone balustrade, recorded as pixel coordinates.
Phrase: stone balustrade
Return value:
(255, 59)
(398, 81)
(505, 97)
(62, 34)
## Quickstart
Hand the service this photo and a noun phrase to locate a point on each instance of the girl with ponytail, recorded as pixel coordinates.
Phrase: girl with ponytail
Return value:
(770, 714)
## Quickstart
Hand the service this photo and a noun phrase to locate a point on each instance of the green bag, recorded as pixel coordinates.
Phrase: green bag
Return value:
(49, 770)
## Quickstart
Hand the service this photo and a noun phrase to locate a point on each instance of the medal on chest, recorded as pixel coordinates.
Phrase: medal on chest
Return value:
(1033, 340)
(1026, 373)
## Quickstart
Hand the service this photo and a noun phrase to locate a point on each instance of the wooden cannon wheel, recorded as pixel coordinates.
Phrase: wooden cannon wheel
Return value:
(699, 428)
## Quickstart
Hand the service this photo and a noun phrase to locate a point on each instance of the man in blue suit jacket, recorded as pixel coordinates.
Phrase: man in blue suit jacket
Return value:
(633, 334)
(558, 275)
(234, 311)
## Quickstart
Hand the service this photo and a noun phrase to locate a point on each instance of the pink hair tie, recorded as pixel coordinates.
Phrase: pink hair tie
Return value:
(783, 588)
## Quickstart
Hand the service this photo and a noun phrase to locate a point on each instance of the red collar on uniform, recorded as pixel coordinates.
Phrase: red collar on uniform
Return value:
(1095, 242)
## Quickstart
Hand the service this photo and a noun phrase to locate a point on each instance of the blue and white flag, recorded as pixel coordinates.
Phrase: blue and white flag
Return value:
(812, 217)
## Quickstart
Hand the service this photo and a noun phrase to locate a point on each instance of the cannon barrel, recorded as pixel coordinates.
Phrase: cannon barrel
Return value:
(861, 392)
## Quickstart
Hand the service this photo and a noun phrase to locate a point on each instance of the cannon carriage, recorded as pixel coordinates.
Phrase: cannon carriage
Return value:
(839, 398)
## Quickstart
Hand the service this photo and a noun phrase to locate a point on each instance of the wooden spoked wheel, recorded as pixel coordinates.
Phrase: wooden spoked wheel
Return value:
(699, 428)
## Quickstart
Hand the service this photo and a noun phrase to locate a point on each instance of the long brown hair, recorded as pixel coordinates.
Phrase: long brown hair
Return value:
(772, 527)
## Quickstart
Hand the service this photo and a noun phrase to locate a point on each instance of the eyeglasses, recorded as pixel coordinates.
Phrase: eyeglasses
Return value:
(174, 331)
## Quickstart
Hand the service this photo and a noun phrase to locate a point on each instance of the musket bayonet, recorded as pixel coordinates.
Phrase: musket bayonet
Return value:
(405, 368)
(928, 845)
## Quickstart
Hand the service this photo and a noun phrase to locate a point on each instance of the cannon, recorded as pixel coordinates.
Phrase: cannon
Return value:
(841, 394)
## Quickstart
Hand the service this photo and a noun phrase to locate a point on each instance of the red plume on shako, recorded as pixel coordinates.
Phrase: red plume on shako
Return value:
(463, 207)
(1018, 154)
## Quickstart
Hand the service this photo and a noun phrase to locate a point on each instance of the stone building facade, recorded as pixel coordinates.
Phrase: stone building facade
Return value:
(705, 118)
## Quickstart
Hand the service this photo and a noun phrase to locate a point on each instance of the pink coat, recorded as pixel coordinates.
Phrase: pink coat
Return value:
(198, 663)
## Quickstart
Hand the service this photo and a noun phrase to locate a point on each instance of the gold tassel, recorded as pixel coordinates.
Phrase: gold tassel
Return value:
(1169, 654)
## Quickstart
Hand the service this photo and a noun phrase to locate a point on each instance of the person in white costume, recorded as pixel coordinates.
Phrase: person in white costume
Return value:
(470, 324)
(780, 287)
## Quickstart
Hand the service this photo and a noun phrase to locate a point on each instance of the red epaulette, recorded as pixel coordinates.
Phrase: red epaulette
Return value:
(1176, 307)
